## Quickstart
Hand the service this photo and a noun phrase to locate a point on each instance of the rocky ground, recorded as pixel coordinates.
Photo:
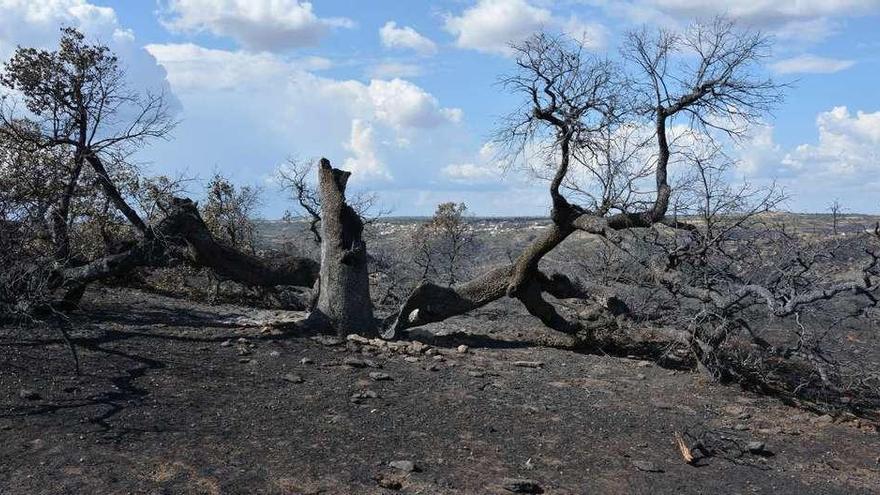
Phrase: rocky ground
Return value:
(176, 397)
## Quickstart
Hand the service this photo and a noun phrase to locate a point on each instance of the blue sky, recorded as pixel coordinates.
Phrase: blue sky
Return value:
(403, 91)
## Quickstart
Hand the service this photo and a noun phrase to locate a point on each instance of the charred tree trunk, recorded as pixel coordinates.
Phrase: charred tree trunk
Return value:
(344, 285)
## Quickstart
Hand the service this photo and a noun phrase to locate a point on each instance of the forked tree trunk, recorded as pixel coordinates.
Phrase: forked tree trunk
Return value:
(344, 285)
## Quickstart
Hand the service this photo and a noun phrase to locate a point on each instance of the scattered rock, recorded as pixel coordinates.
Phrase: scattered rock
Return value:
(640, 376)
(528, 364)
(825, 419)
(225, 343)
(274, 353)
(411, 359)
(358, 339)
(644, 364)
(741, 427)
(379, 376)
(477, 373)
(354, 362)
(244, 351)
(756, 447)
(647, 466)
(27, 394)
(521, 485)
(432, 367)
(328, 340)
(462, 349)
(293, 378)
(389, 483)
(364, 394)
(242, 340)
(405, 466)
(244, 360)
(439, 359)
(306, 360)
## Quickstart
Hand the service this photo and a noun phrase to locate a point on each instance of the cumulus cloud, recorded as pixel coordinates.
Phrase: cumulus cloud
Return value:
(37, 24)
(271, 25)
(483, 169)
(246, 109)
(848, 146)
(403, 104)
(362, 146)
(803, 20)
(491, 25)
(810, 64)
(406, 38)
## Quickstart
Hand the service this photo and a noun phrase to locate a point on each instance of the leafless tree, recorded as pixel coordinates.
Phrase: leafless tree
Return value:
(572, 102)
(836, 209)
(442, 245)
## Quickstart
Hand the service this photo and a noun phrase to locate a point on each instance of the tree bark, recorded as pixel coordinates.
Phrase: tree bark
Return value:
(344, 303)
(183, 228)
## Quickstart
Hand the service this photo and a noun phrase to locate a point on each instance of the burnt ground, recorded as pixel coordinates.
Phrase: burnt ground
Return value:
(171, 402)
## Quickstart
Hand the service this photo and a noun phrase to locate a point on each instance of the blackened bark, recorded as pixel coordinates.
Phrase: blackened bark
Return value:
(344, 286)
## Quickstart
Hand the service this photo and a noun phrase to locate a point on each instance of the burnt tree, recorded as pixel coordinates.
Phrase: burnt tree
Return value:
(344, 286)
(573, 102)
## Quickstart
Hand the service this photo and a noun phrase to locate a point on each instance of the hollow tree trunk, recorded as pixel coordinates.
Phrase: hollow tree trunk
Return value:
(344, 285)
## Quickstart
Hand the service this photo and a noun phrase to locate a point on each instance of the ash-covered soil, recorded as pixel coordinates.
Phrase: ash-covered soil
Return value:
(177, 397)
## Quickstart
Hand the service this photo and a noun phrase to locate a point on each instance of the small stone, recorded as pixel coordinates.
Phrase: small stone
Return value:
(640, 376)
(741, 427)
(225, 343)
(405, 466)
(390, 484)
(306, 360)
(274, 354)
(521, 485)
(439, 359)
(379, 376)
(477, 373)
(328, 340)
(647, 466)
(825, 419)
(358, 339)
(293, 378)
(354, 362)
(644, 364)
(244, 351)
(244, 360)
(242, 340)
(27, 394)
(462, 349)
(432, 367)
(755, 447)
(365, 394)
(411, 359)
(528, 364)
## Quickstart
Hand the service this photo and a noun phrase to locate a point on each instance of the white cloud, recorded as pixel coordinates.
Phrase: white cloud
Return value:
(469, 172)
(398, 103)
(799, 20)
(848, 147)
(810, 64)
(256, 24)
(403, 104)
(249, 110)
(37, 24)
(391, 70)
(491, 25)
(484, 168)
(365, 163)
(405, 37)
